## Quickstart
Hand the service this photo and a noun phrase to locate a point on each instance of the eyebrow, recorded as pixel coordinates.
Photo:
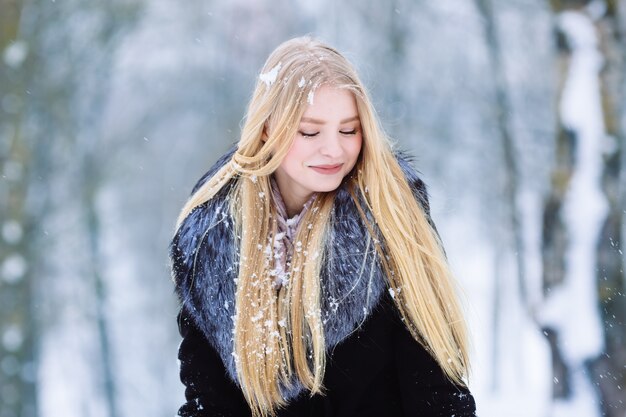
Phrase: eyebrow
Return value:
(321, 122)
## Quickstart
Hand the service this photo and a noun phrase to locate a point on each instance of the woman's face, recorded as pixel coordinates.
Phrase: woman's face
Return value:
(324, 150)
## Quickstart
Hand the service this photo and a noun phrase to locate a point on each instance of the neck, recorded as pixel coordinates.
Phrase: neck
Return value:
(294, 207)
(294, 203)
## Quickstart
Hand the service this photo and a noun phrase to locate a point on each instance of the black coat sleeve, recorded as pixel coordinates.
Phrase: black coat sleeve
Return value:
(209, 392)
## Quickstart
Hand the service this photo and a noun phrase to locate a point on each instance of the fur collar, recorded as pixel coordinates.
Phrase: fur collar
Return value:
(204, 267)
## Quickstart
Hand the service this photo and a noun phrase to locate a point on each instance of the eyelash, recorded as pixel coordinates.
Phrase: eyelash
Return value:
(311, 135)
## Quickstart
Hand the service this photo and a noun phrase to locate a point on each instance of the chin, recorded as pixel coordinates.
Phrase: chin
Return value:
(325, 188)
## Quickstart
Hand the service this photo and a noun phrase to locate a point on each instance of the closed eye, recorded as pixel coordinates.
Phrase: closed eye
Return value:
(308, 135)
(351, 132)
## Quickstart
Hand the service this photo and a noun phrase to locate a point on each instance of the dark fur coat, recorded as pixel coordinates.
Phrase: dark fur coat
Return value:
(374, 366)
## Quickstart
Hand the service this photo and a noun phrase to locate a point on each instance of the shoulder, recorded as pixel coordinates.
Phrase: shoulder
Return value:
(203, 260)
(205, 214)
(207, 227)
(413, 177)
(221, 161)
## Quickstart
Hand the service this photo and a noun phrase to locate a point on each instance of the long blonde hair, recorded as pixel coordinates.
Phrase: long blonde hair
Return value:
(278, 335)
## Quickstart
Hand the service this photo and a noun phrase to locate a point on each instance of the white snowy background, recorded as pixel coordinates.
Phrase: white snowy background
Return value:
(112, 110)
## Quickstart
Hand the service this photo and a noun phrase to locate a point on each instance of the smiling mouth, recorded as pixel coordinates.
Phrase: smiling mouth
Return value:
(327, 169)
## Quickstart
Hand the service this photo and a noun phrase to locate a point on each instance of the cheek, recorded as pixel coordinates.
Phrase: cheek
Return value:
(353, 150)
(295, 158)
(355, 147)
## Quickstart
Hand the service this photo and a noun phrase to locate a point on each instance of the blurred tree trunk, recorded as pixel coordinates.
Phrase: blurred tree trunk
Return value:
(608, 371)
(43, 117)
(18, 238)
(511, 236)
(398, 35)
(92, 72)
(554, 238)
(605, 371)
(92, 162)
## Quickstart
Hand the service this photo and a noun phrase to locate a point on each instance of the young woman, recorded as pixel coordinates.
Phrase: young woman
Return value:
(312, 280)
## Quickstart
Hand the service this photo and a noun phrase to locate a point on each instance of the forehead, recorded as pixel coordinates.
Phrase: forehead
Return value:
(330, 103)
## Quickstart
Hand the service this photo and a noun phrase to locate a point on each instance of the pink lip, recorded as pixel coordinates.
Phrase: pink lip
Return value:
(327, 169)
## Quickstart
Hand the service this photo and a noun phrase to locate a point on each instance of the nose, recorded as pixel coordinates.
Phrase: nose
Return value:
(331, 146)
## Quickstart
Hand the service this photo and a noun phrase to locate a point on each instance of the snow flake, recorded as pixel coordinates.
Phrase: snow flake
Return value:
(302, 82)
(333, 304)
(269, 77)
(310, 313)
(257, 317)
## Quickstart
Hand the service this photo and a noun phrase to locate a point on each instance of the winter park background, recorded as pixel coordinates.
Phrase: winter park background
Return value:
(111, 110)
